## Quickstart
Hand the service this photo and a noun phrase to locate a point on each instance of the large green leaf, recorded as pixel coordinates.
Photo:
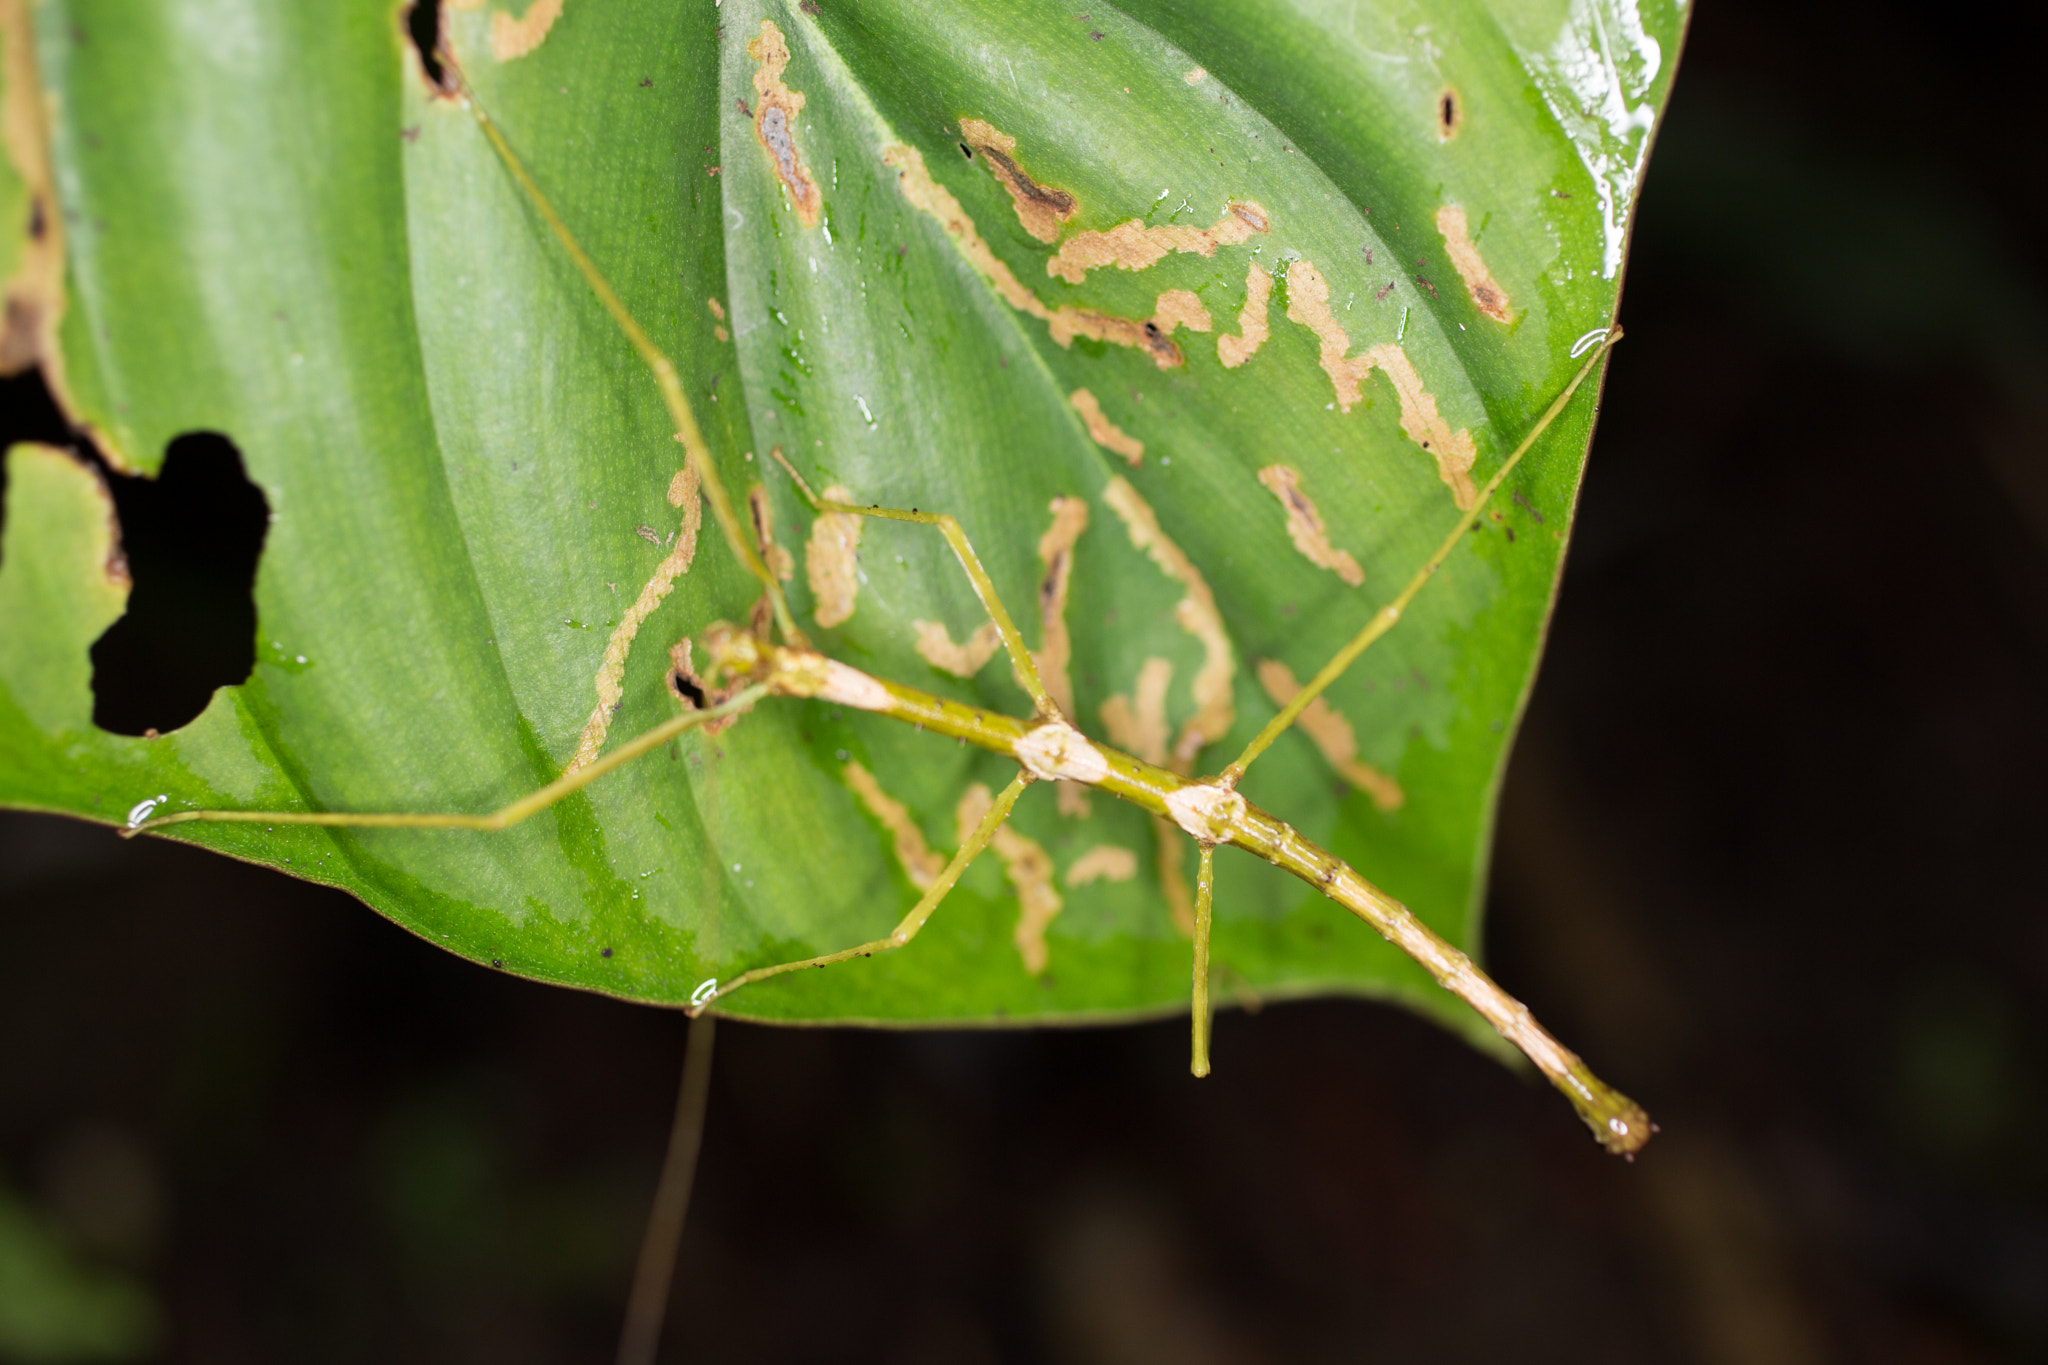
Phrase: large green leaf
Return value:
(278, 232)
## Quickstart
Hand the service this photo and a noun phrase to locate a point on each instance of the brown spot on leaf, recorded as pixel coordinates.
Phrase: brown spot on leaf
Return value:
(1056, 551)
(1137, 724)
(690, 689)
(920, 864)
(1106, 433)
(1040, 208)
(1486, 292)
(830, 564)
(1333, 735)
(775, 112)
(1308, 303)
(682, 493)
(1133, 246)
(1065, 323)
(1450, 113)
(1180, 308)
(35, 298)
(935, 646)
(1233, 351)
(1305, 525)
(1029, 869)
(512, 38)
(1197, 615)
(1103, 863)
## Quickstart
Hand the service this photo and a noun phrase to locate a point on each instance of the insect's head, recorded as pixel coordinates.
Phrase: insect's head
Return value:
(739, 657)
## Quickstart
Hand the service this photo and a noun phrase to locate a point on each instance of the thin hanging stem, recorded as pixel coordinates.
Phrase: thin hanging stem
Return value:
(654, 1277)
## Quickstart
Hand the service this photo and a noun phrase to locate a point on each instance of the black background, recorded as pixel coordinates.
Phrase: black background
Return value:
(1770, 856)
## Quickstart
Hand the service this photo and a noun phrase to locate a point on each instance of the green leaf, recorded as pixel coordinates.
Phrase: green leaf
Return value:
(276, 231)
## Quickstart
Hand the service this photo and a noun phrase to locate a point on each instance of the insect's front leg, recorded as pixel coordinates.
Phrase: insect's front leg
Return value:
(970, 562)
(141, 819)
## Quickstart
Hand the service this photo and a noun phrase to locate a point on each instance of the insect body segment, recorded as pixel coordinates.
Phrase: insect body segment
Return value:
(1209, 811)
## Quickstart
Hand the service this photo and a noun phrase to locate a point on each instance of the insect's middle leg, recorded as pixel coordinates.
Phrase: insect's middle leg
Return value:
(907, 929)
(1205, 896)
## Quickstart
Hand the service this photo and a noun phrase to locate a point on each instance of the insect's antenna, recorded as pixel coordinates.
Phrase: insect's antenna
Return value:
(663, 369)
(1387, 617)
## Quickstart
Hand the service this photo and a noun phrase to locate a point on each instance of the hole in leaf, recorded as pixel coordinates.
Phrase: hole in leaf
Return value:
(27, 413)
(683, 683)
(423, 26)
(191, 537)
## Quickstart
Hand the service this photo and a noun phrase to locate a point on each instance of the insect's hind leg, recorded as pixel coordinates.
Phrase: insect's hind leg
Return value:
(906, 929)
(1205, 897)
(984, 586)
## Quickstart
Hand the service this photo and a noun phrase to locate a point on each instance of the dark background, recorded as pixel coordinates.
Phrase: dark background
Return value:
(1770, 856)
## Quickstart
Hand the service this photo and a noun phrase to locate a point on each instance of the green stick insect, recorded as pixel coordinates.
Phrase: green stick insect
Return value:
(770, 659)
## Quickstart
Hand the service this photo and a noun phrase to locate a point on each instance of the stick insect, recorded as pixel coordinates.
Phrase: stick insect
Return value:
(771, 658)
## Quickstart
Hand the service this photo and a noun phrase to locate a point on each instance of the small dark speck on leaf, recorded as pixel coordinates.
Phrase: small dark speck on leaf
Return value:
(1097, 35)
(1527, 507)
(1426, 285)
(1511, 535)
(809, 7)
(967, 151)
(604, 952)
(646, 81)
(741, 105)
(411, 134)
(497, 962)
(901, 247)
